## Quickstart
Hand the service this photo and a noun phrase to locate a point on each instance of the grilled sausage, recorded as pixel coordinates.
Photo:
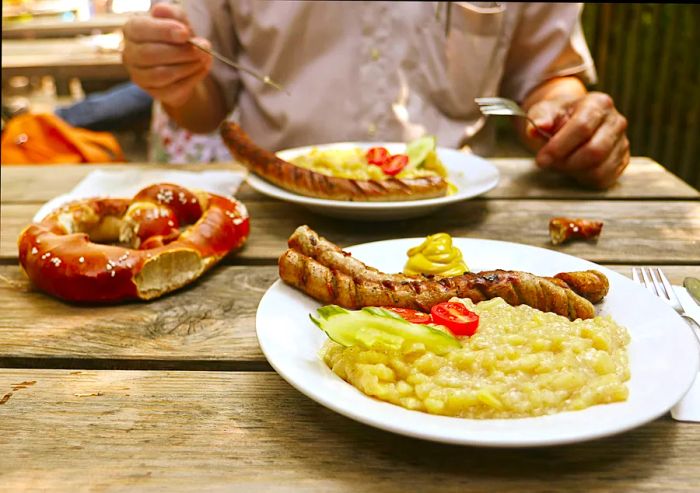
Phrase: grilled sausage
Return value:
(313, 184)
(590, 284)
(563, 229)
(330, 275)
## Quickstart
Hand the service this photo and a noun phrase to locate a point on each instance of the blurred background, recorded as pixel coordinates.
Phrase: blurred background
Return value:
(58, 52)
(647, 60)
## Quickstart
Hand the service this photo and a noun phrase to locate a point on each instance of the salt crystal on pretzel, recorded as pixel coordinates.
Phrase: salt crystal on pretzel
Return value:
(109, 250)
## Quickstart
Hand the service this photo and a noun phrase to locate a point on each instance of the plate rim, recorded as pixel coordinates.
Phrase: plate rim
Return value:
(394, 427)
(267, 188)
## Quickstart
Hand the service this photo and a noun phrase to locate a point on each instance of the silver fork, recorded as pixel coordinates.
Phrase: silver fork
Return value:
(657, 283)
(507, 107)
(265, 79)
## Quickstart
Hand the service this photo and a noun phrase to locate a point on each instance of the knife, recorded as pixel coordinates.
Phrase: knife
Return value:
(692, 285)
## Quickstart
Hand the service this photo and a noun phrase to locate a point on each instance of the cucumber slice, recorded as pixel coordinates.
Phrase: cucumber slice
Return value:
(418, 149)
(377, 328)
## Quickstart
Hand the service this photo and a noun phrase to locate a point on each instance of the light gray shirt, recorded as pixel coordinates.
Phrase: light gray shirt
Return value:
(360, 71)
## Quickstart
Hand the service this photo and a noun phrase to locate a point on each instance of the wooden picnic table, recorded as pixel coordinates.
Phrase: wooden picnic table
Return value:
(56, 28)
(176, 394)
(61, 58)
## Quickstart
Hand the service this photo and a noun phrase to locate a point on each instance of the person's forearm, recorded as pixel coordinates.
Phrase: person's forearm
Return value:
(203, 112)
(560, 87)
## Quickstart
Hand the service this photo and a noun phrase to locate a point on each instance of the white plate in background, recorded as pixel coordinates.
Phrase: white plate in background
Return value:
(471, 174)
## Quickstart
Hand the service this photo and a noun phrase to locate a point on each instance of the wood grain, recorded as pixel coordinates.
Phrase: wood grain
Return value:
(40, 183)
(665, 232)
(52, 28)
(163, 431)
(61, 58)
(644, 178)
(212, 323)
(212, 320)
(151, 430)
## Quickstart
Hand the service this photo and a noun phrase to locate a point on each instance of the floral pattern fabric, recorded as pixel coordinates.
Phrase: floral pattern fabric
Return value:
(170, 143)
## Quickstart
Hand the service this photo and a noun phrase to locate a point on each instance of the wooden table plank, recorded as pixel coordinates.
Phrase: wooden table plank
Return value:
(644, 179)
(164, 431)
(212, 322)
(60, 58)
(633, 232)
(40, 183)
(54, 28)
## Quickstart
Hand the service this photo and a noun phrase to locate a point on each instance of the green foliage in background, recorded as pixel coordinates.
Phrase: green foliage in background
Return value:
(648, 60)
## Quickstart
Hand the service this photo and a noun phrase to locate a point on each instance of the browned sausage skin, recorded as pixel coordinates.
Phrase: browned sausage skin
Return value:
(563, 229)
(326, 273)
(313, 184)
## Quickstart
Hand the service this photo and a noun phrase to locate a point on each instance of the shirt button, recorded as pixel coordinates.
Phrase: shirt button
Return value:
(374, 54)
(371, 129)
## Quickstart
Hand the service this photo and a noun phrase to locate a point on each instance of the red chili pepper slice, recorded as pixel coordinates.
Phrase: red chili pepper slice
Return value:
(456, 317)
(395, 164)
(377, 155)
(413, 316)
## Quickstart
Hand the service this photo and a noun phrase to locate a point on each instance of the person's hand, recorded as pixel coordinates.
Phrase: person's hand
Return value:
(589, 141)
(159, 59)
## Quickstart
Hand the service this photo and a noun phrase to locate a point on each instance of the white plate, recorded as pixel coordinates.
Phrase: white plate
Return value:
(471, 174)
(663, 355)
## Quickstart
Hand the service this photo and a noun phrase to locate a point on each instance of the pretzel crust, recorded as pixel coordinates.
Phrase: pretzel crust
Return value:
(161, 240)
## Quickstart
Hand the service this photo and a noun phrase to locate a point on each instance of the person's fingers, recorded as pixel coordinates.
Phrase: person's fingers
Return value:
(599, 147)
(146, 29)
(549, 115)
(162, 76)
(146, 55)
(204, 43)
(544, 114)
(607, 173)
(169, 11)
(179, 92)
(589, 113)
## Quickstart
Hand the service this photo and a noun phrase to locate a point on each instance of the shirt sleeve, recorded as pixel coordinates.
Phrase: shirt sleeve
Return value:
(548, 42)
(213, 20)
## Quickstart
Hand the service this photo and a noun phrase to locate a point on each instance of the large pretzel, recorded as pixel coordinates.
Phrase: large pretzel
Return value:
(109, 249)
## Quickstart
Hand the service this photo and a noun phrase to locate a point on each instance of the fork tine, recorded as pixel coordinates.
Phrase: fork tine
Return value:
(658, 285)
(649, 281)
(488, 100)
(498, 105)
(496, 109)
(499, 102)
(496, 101)
(670, 293)
(507, 107)
(491, 106)
(501, 109)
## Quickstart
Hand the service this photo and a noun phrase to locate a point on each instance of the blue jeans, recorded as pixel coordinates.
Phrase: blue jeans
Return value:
(109, 110)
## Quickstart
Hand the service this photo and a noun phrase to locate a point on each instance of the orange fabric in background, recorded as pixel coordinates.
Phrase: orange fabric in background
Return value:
(45, 138)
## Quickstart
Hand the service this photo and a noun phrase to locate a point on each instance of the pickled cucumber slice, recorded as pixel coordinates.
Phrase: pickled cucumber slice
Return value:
(377, 328)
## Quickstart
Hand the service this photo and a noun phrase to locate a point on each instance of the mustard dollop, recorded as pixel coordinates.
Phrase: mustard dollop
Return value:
(437, 256)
